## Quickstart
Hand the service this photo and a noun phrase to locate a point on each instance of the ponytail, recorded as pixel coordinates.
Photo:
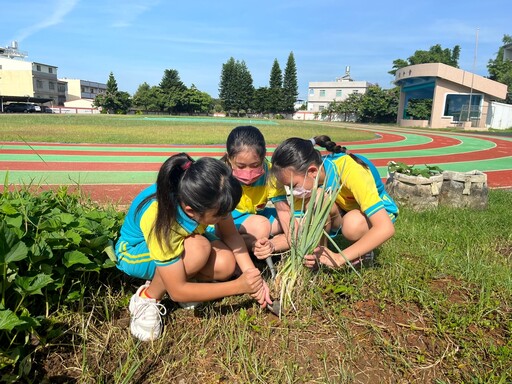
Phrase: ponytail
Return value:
(325, 142)
(202, 185)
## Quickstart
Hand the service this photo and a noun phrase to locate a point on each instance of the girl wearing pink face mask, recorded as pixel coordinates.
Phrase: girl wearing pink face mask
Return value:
(264, 228)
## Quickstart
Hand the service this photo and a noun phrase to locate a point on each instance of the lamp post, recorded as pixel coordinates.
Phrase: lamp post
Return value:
(473, 76)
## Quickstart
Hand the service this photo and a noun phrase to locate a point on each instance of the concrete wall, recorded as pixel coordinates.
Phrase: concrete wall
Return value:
(16, 78)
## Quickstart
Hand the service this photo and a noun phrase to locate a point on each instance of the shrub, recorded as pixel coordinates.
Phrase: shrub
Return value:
(53, 246)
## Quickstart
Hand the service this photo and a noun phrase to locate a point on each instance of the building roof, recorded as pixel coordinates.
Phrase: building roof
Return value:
(24, 99)
(468, 79)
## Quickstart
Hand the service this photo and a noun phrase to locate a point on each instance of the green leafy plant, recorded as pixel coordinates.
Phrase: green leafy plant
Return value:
(52, 246)
(412, 170)
(306, 233)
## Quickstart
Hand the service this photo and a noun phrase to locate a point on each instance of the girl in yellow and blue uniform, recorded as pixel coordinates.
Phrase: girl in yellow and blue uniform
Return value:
(364, 212)
(264, 228)
(162, 241)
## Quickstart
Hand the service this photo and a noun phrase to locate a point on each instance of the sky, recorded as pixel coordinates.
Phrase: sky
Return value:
(137, 40)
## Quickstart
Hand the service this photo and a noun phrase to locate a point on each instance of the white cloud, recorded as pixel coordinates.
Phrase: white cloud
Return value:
(127, 11)
(62, 8)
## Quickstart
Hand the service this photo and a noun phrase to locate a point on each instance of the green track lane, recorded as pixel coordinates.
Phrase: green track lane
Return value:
(78, 178)
(470, 145)
(171, 148)
(501, 164)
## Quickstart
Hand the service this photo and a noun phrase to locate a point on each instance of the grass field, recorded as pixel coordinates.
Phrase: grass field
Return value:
(121, 129)
(435, 308)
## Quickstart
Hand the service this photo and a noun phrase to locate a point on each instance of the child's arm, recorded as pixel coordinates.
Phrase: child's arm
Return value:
(232, 238)
(174, 280)
(381, 230)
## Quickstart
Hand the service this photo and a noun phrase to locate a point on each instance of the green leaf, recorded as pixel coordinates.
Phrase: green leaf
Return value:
(9, 320)
(7, 238)
(75, 257)
(32, 285)
(73, 237)
(95, 215)
(110, 251)
(51, 224)
(8, 209)
(14, 222)
(18, 252)
(65, 218)
(97, 242)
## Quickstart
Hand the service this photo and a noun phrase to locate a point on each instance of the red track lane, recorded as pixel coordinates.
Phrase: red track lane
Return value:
(437, 142)
(503, 149)
(125, 193)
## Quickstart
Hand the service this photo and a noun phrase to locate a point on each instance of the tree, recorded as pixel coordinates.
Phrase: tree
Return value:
(228, 87)
(500, 69)
(171, 81)
(419, 109)
(275, 87)
(261, 100)
(142, 97)
(290, 85)
(434, 55)
(352, 105)
(113, 101)
(236, 87)
(173, 89)
(195, 101)
(379, 105)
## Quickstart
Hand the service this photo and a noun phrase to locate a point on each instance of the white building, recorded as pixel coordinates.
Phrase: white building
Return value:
(322, 93)
(22, 80)
(81, 93)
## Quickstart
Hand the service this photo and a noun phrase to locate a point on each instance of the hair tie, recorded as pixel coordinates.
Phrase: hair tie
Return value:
(313, 141)
(186, 165)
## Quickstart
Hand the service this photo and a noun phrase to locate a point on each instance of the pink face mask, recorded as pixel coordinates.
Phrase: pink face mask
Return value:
(248, 176)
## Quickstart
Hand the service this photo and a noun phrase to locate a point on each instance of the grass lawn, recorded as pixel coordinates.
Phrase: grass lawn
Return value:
(156, 130)
(435, 308)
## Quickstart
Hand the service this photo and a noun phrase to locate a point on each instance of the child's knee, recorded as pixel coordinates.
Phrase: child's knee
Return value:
(198, 245)
(258, 226)
(225, 264)
(354, 227)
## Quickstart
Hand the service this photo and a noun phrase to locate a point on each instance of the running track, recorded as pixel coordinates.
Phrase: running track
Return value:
(117, 172)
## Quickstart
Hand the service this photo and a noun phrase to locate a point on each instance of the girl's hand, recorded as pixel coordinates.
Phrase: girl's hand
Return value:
(251, 281)
(263, 248)
(322, 255)
(263, 296)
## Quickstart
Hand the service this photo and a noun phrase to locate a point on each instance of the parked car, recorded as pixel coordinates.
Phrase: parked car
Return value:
(22, 107)
(46, 109)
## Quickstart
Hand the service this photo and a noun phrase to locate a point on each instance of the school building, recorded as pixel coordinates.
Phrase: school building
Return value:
(459, 98)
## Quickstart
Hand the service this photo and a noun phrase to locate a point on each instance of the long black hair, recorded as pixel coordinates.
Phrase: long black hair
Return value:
(331, 146)
(244, 137)
(203, 185)
(299, 153)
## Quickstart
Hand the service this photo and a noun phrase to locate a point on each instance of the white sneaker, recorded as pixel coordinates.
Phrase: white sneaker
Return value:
(146, 316)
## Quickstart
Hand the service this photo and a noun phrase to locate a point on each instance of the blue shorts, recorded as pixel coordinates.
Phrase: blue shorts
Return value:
(239, 217)
(136, 262)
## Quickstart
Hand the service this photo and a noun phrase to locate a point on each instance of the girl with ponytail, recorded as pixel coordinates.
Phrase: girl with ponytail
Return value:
(163, 241)
(364, 212)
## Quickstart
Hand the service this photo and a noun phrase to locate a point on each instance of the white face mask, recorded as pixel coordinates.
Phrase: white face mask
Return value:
(301, 192)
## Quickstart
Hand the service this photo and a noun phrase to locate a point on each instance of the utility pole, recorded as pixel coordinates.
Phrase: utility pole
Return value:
(473, 75)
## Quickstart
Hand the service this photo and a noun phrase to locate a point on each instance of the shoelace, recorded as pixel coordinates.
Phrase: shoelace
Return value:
(160, 308)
